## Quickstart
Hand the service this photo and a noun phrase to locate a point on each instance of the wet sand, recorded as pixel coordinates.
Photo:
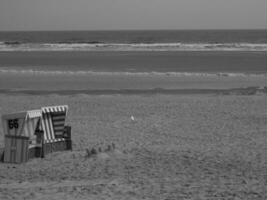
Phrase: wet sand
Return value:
(54, 81)
(158, 61)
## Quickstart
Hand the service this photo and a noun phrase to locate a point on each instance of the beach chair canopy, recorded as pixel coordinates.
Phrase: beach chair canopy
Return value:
(22, 123)
(34, 114)
(53, 122)
(55, 109)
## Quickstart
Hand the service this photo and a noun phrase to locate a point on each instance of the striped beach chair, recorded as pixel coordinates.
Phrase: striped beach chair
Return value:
(53, 123)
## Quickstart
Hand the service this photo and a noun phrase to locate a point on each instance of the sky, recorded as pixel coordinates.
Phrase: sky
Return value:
(132, 14)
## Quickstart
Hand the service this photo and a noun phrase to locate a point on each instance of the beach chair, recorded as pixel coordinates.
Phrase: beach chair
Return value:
(57, 136)
(20, 140)
(35, 133)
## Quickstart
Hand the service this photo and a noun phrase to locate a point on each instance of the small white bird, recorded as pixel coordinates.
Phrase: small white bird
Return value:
(132, 118)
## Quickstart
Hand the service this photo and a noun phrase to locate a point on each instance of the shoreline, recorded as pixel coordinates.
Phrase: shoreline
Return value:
(122, 84)
(154, 91)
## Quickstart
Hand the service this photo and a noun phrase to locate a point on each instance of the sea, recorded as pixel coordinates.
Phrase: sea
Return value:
(159, 58)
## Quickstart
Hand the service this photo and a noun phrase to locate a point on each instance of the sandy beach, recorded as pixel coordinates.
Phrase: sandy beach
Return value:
(165, 100)
(186, 125)
(177, 147)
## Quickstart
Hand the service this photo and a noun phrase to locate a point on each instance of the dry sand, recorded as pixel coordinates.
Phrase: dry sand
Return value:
(178, 147)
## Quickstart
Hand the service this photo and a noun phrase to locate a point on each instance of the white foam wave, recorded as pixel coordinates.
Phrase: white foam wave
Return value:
(98, 73)
(133, 47)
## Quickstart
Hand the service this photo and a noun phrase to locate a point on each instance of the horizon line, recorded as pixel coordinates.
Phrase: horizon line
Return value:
(204, 29)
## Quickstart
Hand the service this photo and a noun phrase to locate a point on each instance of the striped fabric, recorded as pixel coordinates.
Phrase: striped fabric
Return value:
(33, 114)
(54, 109)
(47, 127)
(30, 127)
(31, 122)
(53, 122)
(58, 120)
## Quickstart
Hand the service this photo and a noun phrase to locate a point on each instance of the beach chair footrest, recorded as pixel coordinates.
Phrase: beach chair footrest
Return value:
(57, 146)
(35, 152)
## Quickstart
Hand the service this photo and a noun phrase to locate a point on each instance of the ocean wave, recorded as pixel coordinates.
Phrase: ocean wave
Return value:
(97, 46)
(102, 73)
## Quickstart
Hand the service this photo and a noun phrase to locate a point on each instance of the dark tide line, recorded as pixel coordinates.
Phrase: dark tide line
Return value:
(234, 91)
